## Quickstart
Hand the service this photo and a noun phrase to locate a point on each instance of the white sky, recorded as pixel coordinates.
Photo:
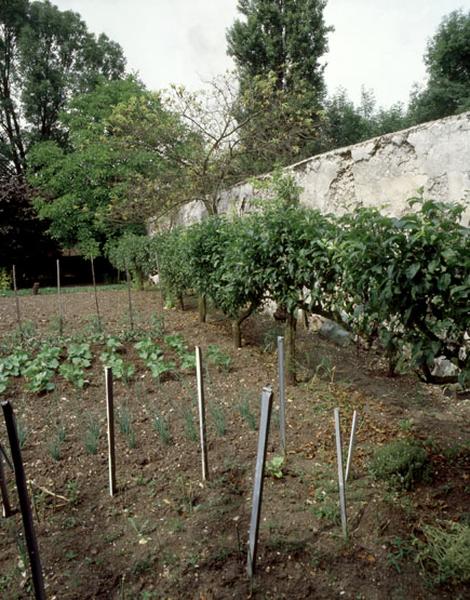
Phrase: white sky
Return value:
(376, 43)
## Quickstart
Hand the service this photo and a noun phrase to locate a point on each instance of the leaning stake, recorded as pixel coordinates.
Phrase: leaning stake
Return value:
(31, 542)
(17, 300)
(59, 300)
(96, 293)
(202, 413)
(351, 446)
(6, 508)
(108, 375)
(129, 297)
(342, 491)
(282, 392)
(266, 404)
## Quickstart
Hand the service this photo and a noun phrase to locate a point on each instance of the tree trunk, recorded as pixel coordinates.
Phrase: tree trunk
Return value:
(289, 335)
(202, 307)
(236, 334)
(181, 301)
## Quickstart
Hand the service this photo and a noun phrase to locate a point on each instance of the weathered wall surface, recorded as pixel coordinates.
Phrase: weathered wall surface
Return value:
(385, 172)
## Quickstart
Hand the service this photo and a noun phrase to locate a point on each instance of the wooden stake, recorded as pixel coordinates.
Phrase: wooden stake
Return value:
(351, 445)
(6, 507)
(266, 404)
(21, 486)
(59, 299)
(96, 293)
(129, 296)
(108, 373)
(282, 392)
(342, 489)
(202, 413)
(17, 301)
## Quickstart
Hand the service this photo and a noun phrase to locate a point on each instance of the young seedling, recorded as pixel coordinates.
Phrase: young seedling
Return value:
(160, 424)
(218, 416)
(126, 427)
(92, 436)
(247, 415)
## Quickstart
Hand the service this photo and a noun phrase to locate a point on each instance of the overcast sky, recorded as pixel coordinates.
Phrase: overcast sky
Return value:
(376, 43)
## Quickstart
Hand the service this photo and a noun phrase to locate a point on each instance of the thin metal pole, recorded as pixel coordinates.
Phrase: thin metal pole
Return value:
(96, 292)
(6, 507)
(282, 392)
(342, 489)
(129, 296)
(202, 413)
(352, 439)
(108, 375)
(30, 535)
(266, 405)
(17, 300)
(59, 299)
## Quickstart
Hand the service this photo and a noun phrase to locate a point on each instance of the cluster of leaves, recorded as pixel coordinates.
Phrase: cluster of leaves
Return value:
(400, 282)
(152, 355)
(111, 357)
(12, 365)
(39, 373)
(79, 358)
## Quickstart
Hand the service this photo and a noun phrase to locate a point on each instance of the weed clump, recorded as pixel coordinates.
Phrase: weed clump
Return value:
(446, 552)
(401, 463)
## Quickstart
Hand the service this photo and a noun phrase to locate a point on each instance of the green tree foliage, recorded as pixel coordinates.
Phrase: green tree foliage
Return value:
(166, 155)
(46, 56)
(346, 123)
(133, 253)
(77, 184)
(401, 284)
(277, 48)
(286, 37)
(448, 65)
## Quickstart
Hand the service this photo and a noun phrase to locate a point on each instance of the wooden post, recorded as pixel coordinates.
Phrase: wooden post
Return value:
(342, 489)
(96, 293)
(30, 535)
(6, 507)
(266, 404)
(108, 374)
(282, 392)
(17, 301)
(59, 300)
(129, 297)
(202, 413)
(351, 446)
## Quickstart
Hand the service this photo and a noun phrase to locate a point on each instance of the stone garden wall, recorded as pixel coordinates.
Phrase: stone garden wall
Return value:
(385, 171)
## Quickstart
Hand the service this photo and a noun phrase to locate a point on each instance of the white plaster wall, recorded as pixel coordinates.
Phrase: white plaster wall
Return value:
(385, 172)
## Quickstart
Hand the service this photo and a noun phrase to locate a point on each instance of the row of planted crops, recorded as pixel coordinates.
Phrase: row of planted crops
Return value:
(401, 284)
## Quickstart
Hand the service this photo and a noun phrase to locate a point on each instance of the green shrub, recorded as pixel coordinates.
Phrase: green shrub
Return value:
(400, 463)
(5, 280)
(446, 552)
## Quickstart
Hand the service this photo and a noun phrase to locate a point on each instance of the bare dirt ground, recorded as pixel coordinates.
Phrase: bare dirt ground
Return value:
(168, 535)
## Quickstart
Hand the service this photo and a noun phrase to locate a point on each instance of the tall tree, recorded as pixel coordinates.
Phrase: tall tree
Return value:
(277, 49)
(447, 61)
(286, 37)
(46, 56)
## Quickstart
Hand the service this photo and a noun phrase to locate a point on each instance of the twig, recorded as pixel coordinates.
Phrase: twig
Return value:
(46, 491)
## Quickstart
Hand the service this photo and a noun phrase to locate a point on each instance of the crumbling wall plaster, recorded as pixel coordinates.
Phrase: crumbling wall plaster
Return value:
(385, 172)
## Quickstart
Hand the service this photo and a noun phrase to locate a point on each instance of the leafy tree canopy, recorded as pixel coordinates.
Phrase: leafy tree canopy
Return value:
(278, 48)
(46, 57)
(448, 65)
(76, 184)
